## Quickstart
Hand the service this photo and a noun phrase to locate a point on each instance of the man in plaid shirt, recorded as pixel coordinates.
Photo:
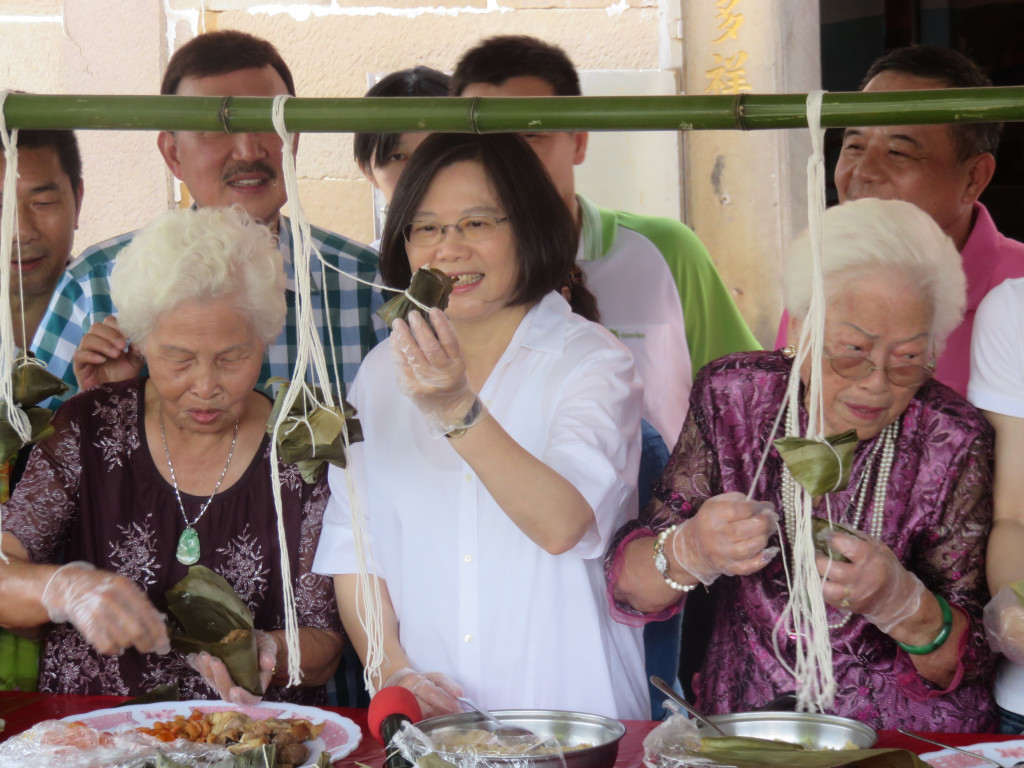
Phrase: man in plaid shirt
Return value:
(220, 169)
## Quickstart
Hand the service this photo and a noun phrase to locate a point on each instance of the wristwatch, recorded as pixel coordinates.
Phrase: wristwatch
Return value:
(661, 561)
(471, 417)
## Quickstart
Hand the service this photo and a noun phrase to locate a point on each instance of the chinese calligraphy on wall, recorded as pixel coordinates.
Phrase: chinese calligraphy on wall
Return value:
(728, 73)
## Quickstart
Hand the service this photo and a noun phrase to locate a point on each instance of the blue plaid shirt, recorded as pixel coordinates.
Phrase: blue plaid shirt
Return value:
(82, 297)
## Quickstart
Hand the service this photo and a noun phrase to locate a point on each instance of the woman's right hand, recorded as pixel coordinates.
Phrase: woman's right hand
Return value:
(110, 611)
(436, 693)
(104, 355)
(727, 537)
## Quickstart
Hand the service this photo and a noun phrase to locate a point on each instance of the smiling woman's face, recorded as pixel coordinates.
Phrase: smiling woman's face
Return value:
(883, 317)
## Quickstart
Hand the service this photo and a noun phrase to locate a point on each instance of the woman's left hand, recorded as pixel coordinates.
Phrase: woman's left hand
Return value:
(432, 372)
(216, 674)
(873, 583)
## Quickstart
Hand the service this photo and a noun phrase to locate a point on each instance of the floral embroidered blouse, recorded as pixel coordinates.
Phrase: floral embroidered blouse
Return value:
(937, 518)
(92, 492)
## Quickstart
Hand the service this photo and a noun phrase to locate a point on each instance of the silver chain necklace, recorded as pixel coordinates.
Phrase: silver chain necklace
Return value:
(188, 542)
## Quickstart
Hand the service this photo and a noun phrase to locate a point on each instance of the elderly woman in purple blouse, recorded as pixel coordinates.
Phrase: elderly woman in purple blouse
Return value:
(904, 612)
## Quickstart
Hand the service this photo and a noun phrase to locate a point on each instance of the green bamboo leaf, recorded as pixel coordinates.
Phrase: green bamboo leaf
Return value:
(820, 469)
(32, 383)
(429, 286)
(311, 434)
(209, 610)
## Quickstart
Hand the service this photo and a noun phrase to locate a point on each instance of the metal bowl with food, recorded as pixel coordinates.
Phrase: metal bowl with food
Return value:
(588, 741)
(808, 729)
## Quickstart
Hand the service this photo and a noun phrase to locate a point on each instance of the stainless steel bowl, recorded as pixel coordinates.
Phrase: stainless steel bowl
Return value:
(812, 731)
(570, 728)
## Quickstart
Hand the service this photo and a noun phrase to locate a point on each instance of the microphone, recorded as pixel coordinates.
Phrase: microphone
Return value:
(389, 710)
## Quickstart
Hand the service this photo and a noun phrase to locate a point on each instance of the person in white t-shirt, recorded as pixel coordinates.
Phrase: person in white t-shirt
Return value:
(997, 388)
(500, 453)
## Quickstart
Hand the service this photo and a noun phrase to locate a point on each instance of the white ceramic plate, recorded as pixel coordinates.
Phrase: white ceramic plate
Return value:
(339, 737)
(1006, 753)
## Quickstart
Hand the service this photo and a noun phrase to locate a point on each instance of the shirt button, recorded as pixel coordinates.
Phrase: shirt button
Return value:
(469, 477)
(469, 638)
(468, 558)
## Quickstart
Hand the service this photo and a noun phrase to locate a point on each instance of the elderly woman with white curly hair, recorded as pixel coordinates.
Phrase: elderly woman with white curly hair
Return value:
(146, 476)
(904, 609)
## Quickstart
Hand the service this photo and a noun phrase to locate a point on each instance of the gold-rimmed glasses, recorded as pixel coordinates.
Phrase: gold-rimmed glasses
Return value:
(476, 228)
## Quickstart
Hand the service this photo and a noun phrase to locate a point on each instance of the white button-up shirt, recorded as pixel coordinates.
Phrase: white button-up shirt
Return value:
(475, 598)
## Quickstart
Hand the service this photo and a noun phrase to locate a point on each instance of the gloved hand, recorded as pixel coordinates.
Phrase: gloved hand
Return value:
(432, 373)
(105, 355)
(110, 611)
(436, 692)
(727, 537)
(873, 583)
(215, 672)
(1004, 625)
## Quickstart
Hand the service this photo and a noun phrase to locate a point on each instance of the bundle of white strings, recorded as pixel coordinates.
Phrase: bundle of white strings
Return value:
(310, 362)
(804, 618)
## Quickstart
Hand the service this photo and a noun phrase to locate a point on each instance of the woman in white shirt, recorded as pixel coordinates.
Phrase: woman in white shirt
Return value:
(500, 453)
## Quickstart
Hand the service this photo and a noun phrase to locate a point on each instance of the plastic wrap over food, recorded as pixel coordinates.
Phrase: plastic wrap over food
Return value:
(672, 743)
(457, 747)
(73, 745)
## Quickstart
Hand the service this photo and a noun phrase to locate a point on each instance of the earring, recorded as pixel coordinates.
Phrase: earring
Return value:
(789, 351)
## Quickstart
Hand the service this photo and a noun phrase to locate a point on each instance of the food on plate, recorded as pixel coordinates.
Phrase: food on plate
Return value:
(240, 733)
(485, 743)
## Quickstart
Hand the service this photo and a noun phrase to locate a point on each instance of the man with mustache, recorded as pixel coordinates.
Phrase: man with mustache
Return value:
(219, 169)
(49, 200)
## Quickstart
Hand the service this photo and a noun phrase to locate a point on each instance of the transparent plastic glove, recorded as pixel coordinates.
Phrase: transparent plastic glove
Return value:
(873, 583)
(1004, 625)
(432, 373)
(110, 611)
(436, 692)
(727, 537)
(215, 672)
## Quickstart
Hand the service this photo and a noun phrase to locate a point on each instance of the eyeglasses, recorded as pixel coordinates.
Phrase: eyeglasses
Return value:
(856, 368)
(474, 229)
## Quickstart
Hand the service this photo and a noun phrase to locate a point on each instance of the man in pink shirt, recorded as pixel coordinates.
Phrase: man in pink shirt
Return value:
(943, 169)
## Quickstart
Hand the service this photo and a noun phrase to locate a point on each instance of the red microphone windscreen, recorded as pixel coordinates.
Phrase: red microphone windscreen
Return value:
(393, 700)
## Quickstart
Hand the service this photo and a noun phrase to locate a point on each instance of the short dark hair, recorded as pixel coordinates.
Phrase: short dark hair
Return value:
(65, 144)
(497, 59)
(543, 229)
(221, 52)
(374, 148)
(956, 71)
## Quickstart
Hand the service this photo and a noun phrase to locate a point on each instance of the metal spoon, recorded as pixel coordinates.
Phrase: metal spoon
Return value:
(497, 727)
(947, 746)
(665, 688)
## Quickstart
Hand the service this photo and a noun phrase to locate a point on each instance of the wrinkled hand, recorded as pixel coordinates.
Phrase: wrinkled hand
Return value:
(727, 537)
(436, 692)
(873, 583)
(104, 355)
(215, 672)
(110, 611)
(431, 371)
(1004, 625)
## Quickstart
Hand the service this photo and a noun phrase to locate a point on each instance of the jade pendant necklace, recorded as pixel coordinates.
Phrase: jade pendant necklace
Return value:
(188, 542)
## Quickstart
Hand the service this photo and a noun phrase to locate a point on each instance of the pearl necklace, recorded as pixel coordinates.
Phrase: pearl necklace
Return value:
(188, 543)
(884, 444)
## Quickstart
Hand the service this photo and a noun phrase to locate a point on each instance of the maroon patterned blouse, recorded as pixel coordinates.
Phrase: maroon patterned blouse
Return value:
(92, 492)
(937, 519)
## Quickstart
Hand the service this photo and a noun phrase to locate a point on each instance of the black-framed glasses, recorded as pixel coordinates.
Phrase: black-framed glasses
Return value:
(475, 229)
(855, 367)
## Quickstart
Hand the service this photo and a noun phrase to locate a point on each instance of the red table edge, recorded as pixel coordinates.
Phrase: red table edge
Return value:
(21, 710)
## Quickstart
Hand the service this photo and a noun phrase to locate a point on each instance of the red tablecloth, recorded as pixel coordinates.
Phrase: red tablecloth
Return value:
(23, 710)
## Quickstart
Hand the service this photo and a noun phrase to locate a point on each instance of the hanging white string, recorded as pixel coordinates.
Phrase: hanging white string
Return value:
(310, 363)
(806, 611)
(804, 618)
(15, 415)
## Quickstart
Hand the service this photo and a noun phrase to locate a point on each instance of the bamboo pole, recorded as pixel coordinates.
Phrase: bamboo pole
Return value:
(496, 115)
